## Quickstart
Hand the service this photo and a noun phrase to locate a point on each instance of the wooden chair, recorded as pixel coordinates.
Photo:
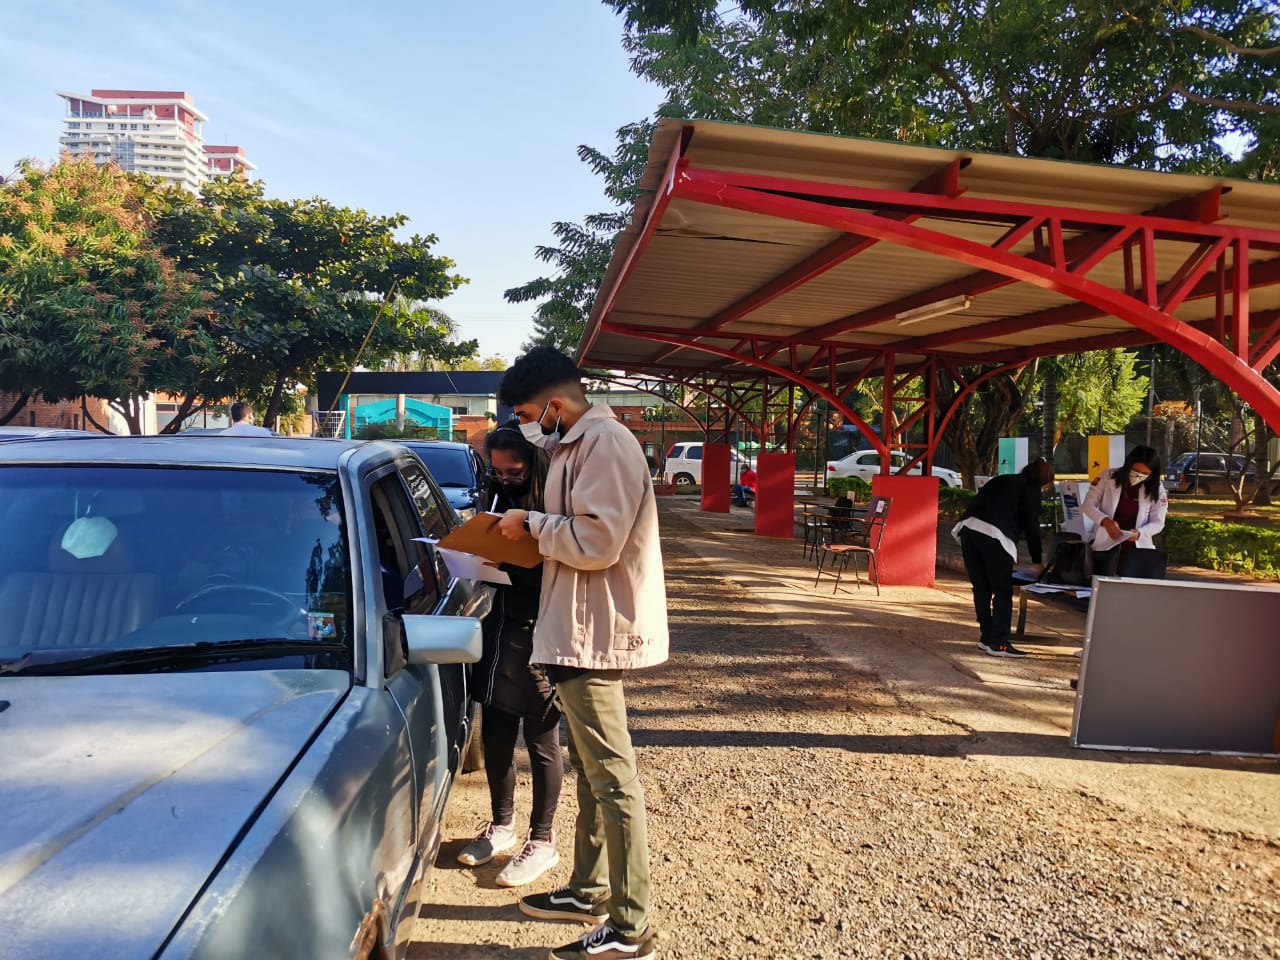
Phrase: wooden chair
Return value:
(834, 558)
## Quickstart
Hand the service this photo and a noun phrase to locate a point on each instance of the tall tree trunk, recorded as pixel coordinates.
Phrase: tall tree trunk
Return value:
(131, 410)
(89, 418)
(1261, 441)
(14, 410)
(272, 413)
(187, 408)
(1049, 412)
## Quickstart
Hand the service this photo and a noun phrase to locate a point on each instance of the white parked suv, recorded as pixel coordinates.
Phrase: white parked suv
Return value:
(865, 464)
(684, 464)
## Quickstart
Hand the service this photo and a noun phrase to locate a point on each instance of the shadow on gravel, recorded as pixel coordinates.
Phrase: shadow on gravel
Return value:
(471, 951)
(929, 745)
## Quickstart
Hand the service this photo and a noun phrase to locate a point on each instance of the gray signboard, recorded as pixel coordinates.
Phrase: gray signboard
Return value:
(1180, 667)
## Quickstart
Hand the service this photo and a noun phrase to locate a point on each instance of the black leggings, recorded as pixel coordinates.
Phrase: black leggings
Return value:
(542, 739)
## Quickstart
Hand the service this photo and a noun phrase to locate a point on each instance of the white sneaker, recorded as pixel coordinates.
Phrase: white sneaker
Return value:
(535, 858)
(492, 839)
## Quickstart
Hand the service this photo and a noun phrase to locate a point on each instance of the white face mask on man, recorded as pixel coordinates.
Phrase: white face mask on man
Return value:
(539, 436)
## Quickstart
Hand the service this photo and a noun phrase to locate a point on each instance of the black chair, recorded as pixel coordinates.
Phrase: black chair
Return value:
(1143, 564)
(864, 537)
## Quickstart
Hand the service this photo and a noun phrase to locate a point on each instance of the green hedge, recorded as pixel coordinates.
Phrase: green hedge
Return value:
(1228, 547)
(840, 486)
(1189, 541)
(953, 501)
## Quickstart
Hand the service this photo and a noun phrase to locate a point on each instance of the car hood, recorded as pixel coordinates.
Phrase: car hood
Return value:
(120, 795)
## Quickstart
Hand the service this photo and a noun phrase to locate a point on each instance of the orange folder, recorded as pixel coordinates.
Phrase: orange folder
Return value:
(478, 536)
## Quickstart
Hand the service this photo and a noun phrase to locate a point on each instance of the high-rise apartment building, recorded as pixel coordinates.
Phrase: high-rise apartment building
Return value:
(148, 131)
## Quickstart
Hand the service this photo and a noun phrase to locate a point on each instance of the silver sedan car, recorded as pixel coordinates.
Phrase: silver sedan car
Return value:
(232, 696)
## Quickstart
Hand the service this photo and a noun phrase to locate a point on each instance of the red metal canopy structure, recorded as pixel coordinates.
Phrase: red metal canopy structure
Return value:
(778, 260)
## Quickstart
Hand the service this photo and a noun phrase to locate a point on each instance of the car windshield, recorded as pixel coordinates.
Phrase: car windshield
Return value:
(450, 466)
(100, 559)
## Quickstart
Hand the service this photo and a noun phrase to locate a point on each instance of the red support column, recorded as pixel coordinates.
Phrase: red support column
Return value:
(715, 477)
(775, 495)
(909, 554)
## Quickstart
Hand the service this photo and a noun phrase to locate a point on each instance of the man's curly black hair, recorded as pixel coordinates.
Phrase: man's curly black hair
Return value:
(539, 370)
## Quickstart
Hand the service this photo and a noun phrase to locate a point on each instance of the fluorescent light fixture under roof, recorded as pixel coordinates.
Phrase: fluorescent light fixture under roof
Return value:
(931, 310)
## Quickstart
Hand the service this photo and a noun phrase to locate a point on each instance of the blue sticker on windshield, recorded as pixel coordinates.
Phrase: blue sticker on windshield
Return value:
(321, 626)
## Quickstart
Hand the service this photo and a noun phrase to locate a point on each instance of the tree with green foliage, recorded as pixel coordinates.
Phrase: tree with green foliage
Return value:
(1151, 83)
(1099, 392)
(1156, 84)
(303, 286)
(89, 304)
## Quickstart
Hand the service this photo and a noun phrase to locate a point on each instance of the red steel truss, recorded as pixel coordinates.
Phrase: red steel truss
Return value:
(1068, 243)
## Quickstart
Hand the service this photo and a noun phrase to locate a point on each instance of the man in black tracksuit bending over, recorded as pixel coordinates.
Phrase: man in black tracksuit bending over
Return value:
(1006, 508)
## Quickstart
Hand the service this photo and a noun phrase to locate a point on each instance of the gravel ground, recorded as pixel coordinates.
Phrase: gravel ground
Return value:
(841, 777)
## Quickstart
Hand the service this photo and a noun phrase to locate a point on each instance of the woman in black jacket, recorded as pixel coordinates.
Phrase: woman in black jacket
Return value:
(511, 691)
(1006, 509)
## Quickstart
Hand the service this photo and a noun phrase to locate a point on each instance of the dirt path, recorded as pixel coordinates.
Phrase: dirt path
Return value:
(849, 777)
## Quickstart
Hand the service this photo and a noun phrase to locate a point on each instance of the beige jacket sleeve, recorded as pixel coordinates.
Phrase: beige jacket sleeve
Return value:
(609, 481)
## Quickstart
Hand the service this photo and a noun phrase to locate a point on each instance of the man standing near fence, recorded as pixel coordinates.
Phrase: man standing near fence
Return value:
(603, 610)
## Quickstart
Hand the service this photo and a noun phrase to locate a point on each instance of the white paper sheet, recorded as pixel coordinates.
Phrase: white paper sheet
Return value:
(467, 566)
(1080, 592)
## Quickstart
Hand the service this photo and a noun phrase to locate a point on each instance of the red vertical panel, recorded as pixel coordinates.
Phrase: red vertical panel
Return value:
(909, 554)
(775, 495)
(715, 477)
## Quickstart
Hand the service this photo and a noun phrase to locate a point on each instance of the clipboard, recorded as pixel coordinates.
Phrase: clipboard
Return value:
(477, 536)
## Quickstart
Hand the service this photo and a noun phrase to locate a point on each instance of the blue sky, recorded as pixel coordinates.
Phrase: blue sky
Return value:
(463, 114)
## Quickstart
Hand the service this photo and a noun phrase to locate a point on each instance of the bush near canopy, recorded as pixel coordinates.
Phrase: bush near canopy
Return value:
(855, 488)
(1227, 547)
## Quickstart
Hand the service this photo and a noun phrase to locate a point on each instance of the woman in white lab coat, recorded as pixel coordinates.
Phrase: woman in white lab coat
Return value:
(1127, 506)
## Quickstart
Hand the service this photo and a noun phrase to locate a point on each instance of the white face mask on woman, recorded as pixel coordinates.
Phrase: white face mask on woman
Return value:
(1137, 477)
(538, 435)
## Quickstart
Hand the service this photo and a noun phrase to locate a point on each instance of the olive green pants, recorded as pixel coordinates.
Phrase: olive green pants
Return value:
(611, 840)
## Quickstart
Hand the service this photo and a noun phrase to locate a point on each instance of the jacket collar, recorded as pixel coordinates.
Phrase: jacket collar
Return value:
(597, 411)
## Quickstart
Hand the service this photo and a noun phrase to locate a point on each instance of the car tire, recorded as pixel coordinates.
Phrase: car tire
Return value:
(684, 480)
(1206, 488)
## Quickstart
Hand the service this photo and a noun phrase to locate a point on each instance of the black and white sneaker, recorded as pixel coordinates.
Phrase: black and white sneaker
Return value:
(564, 904)
(1002, 649)
(605, 943)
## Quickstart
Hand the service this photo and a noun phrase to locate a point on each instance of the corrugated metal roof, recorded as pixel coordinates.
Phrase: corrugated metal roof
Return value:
(702, 259)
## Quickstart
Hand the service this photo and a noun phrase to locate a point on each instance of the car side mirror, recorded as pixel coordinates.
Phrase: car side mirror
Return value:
(430, 639)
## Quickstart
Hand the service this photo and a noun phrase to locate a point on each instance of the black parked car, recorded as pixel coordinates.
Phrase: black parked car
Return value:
(1218, 472)
(457, 468)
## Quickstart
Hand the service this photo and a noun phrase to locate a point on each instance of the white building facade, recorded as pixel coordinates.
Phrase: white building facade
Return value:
(158, 132)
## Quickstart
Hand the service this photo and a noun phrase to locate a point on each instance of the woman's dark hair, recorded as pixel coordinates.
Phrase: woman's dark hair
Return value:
(1147, 457)
(508, 437)
(539, 370)
(1039, 471)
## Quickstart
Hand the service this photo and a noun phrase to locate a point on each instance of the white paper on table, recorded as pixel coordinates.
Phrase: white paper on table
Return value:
(467, 566)
(1080, 592)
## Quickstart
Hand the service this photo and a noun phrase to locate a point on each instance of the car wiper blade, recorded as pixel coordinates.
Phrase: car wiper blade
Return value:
(57, 661)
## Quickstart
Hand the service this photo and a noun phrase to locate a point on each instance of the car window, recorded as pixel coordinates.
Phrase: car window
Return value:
(131, 557)
(450, 466)
(1210, 461)
(869, 460)
(897, 460)
(406, 566)
(434, 515)
(695, 452)
(676, 452)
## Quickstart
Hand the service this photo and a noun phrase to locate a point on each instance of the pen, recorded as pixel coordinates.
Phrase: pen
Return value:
(493, 506)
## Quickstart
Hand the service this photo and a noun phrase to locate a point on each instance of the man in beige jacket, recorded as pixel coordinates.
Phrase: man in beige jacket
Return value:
(603, 610)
